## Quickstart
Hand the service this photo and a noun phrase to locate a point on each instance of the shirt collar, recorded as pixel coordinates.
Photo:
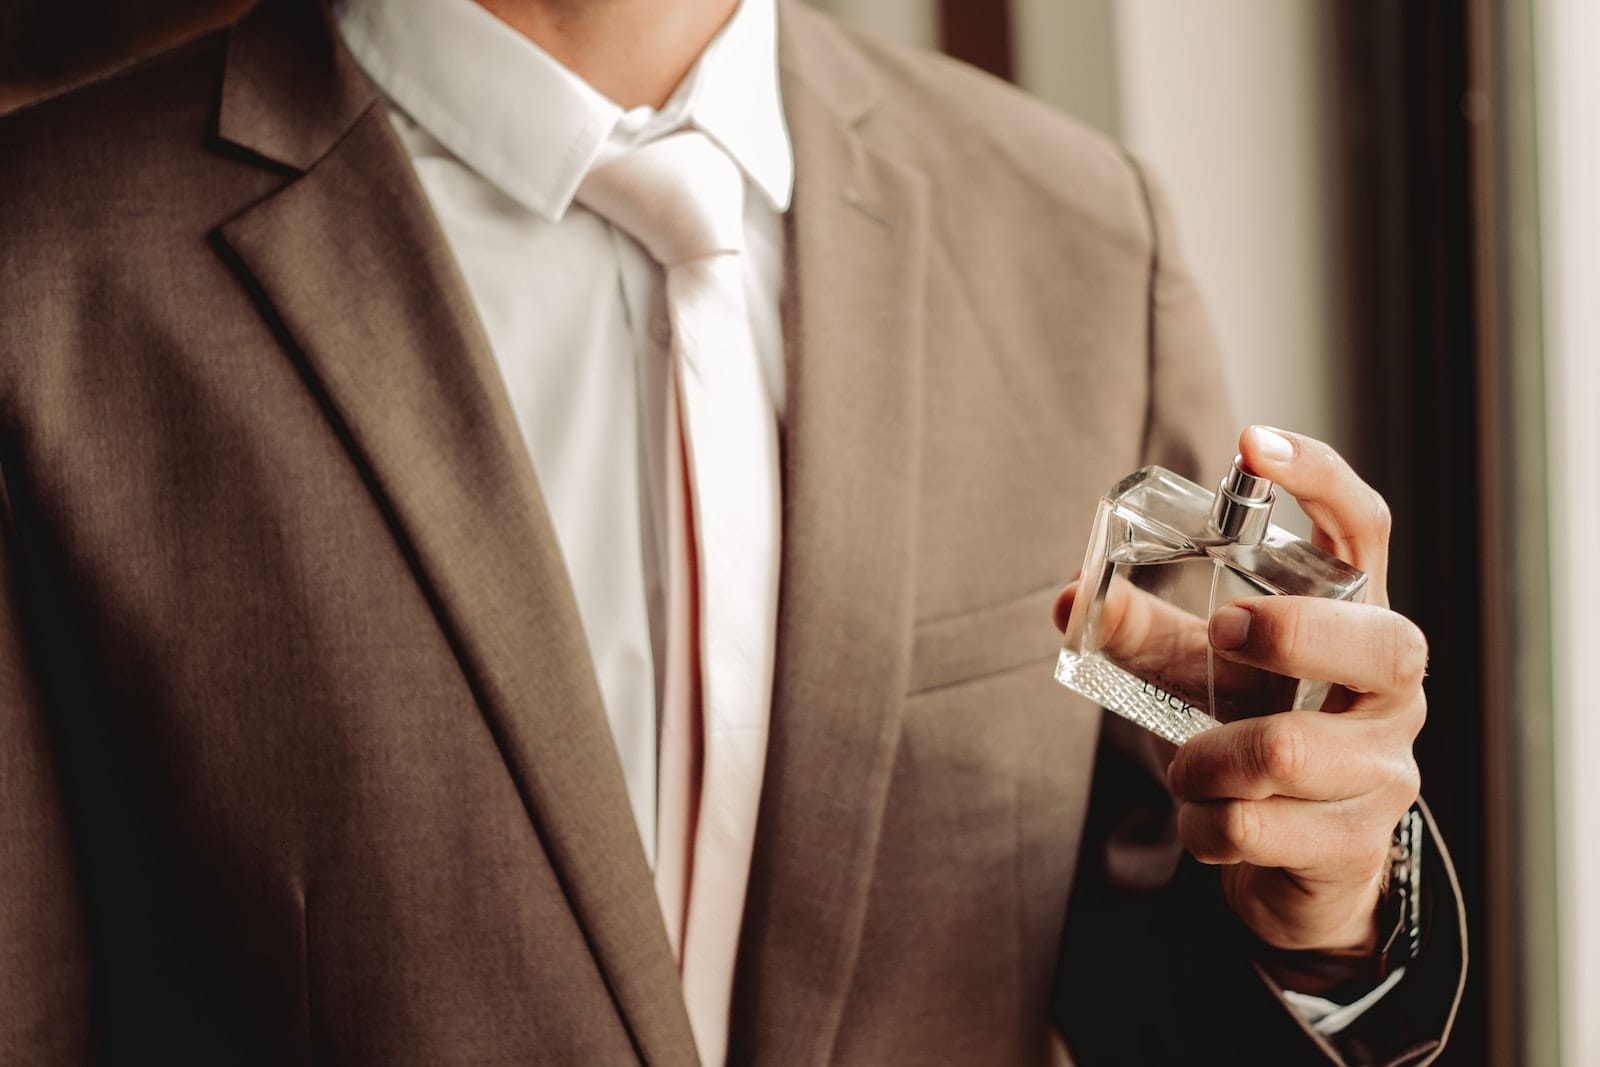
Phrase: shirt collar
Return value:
(530, 126)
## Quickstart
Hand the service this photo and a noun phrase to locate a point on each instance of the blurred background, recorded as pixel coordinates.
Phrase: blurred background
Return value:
(1390, 208)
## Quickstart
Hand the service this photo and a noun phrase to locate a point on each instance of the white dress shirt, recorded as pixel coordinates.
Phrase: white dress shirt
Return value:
(501, 136)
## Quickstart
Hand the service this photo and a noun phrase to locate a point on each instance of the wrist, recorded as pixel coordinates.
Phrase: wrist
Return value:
(1286, 914)
(1390, 931)
(1331, 958)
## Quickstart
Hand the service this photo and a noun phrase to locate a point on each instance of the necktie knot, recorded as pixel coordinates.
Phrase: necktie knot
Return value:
(681, 197)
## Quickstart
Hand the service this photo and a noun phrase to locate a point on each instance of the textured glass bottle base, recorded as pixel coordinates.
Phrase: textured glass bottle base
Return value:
(1112, 687)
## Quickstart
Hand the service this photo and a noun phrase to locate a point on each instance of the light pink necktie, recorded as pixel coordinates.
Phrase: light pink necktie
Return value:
(682, 198)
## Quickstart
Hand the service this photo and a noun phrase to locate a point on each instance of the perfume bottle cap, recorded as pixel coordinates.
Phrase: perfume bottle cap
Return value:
(1243, 506)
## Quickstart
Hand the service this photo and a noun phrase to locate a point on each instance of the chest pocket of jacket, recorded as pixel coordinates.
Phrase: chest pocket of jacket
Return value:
(990, 640)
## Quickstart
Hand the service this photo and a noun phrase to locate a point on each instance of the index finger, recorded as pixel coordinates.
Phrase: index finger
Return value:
(1352, 520)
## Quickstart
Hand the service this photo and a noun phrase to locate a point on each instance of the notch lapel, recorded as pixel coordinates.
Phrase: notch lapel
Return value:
(350, 268)
(853, 325)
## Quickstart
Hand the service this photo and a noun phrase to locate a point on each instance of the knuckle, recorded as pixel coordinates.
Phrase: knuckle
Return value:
(1241, 826)
(1408, 779)
(1413, 717)
(1419, 715)
(1379, 515)
(1325, 454)
(1410, 654)
(1178, 772)
(1285, 630)
(1362, 839)
(1307, 633)
(1281, 752)
(1400, 777)
(1199, 827)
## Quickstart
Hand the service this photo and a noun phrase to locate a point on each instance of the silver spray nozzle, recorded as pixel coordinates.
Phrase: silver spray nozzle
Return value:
(1243, 505)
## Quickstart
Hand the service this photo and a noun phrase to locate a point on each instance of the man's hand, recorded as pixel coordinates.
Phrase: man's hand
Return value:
(1300, 805)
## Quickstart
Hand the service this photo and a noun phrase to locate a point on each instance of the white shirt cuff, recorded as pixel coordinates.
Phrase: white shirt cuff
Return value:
(1328, 1018)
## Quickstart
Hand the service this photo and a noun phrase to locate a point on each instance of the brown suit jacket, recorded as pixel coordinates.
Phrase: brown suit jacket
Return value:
(303, 759)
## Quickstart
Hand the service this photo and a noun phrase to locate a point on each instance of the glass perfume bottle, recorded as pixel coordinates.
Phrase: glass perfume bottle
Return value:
(1164, 554)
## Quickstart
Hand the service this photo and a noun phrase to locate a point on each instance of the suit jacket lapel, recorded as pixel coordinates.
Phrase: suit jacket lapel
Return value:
(348, 265)
(853, 306)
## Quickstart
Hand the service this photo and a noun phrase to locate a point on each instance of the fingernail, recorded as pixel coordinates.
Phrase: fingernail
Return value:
(1271, 444)
(1230, 627)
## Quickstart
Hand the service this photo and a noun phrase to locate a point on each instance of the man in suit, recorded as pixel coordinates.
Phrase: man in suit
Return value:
(338, 578)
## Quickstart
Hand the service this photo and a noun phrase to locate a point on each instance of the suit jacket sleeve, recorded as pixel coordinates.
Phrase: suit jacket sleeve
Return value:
(1154, 966)
(44, 958)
